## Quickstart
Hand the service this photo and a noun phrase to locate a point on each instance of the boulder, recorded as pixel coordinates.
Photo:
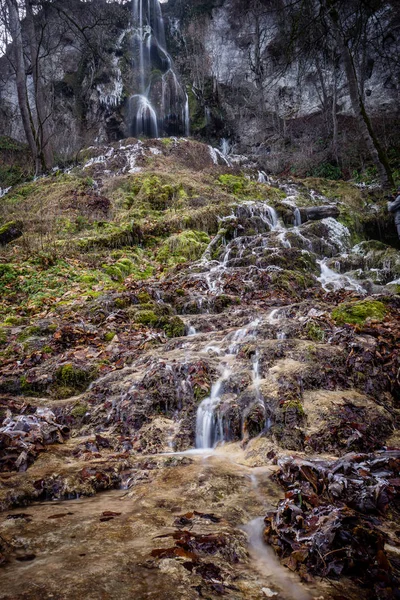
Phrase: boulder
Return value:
(316, 213)
(10, 231)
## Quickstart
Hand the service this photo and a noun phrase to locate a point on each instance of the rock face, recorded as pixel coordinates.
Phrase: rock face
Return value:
(215, 48)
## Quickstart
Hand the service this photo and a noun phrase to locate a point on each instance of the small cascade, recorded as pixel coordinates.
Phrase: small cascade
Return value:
(209, 425)
(262, 177)
(160, 105)
(225, 147)
(4, 191)
(297, 217)
(332, 281)
(266, 213)
(218, 157)
(210, 429)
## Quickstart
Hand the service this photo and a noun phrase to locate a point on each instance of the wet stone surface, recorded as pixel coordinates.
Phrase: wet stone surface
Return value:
(269, 355)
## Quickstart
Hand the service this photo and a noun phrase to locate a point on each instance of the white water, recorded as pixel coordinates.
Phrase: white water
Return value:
(160, 104)
(225, 147)
(4, 191)
(262, 177)
(209, 426)
(332, 281)
(297, 217)
(209, 421)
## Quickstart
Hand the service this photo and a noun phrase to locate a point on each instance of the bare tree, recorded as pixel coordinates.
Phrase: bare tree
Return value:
(355, 87)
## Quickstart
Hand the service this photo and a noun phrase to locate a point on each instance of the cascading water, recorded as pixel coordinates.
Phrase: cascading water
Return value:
(209, 426)
(244, 249)
(160, 104)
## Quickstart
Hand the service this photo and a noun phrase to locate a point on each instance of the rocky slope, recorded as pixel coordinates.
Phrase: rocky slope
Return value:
(159, 297)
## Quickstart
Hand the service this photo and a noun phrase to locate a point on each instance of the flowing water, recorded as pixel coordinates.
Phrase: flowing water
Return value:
(212, 423)
(160, 104)
(109, 546)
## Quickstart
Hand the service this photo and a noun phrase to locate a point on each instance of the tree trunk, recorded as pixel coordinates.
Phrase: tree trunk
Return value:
(20, 74)
(335, 133)
(376, 151)
(43, 134)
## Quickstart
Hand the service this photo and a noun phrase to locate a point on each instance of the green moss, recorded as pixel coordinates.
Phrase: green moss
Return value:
(13, 320)
(122, 302)
(181, 247)
(292, 281)
(167, 142)
(356, 313)
(89, 279)
(27, 388)
(114, 236)
(146, 317)
(46, 349)
(10, 231)
(28, 332)
(223, 301)
(294, 405)
(235, 184)
(315, 332)
(172, 326)
(120, 270)
(109, 336)
(3, 337)
(157, 191)
(80, 409)
(200, 392)
(71, 380)
(144, 297)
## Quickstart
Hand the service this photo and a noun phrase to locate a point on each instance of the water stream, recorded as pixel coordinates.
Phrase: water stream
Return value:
(211, 428)
(159, 105)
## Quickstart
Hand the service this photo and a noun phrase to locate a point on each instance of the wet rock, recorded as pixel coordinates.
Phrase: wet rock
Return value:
(23, 437)
(316, 213)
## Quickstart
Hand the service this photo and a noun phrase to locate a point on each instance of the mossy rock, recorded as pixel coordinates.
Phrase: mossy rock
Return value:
(182, 247)
(29, 332)
(158, 192)
(356, 313)
(173, 326)
(80, 409)
(117, 236)
(71, 380)
(292, 281)
(315, 332)
(223, 301)
(10, 231)
(146, 317)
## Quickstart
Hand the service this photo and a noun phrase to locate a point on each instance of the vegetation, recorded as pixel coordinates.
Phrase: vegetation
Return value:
(356, 313)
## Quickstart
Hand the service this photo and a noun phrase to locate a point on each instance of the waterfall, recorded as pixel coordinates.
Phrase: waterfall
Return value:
(210, 429)
(209, 425)
(297, 217)
(160, 105)
(225, 147)
(330, 280)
